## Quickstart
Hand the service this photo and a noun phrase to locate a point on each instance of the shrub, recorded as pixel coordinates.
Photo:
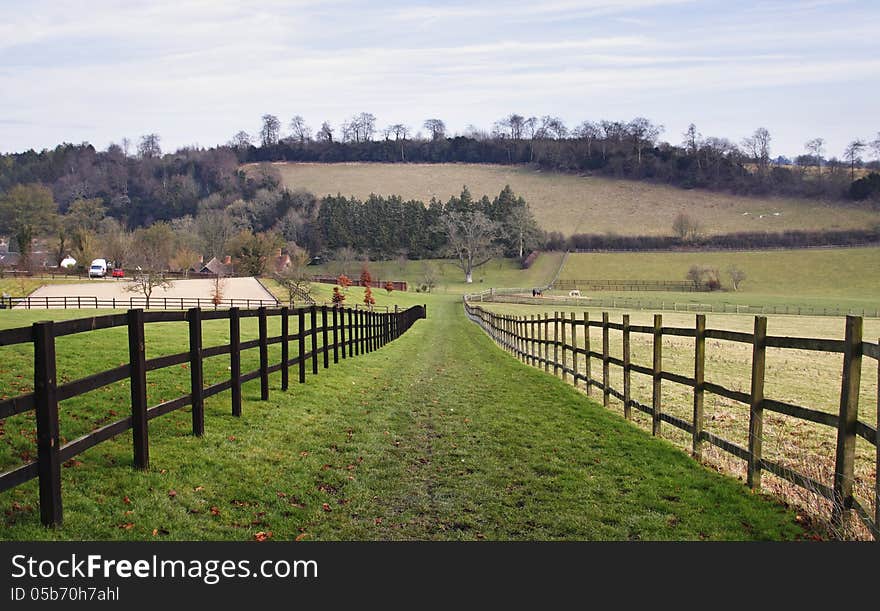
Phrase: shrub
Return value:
(338, 296)
(389, 286)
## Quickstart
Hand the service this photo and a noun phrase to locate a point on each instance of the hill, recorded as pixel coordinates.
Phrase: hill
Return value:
(571, 203)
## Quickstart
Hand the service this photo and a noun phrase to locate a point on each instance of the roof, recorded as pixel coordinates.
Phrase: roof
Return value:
(214, 266)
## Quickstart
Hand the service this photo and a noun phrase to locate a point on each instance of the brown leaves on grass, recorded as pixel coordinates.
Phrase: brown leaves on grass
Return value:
(263, 536)
(172, 493)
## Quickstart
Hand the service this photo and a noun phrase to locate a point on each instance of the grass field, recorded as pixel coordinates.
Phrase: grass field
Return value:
(496, 273)
(427, 438)
(845, 278)
(809, 379)
(578, 204)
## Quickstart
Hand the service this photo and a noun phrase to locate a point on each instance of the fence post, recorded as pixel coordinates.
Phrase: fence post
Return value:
(324, 336)
(46, 406)
(587, 364)
(355, 331)
(606, 384)
(556, 343)
(301, 340)
(335, 334)
(138, 383)
(264, 354)
(844, 463)
(235, 359)
(314, 333)
(194, 316)
(656, 395)
(627, 376)
(699, 380)
(351, 335)
(546, 343)
(574, 350)
(756, 403)
(285, 347)
(564, 345)
(877, 453)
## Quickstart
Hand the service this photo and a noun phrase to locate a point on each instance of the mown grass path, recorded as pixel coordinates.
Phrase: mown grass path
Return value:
(439, 435)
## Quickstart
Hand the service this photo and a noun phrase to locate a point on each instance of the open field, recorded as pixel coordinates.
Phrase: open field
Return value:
(496, 273)
(845, 278)
(426, 438)
(809, 379)
(578, 204)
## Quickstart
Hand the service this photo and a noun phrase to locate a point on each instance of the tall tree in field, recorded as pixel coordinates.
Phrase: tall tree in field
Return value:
(757, 146)
(325, 134)
(815, 149)
(470, 238)
(26, 212)
(153, 249)
(436, 127)
(644, 134)
(270, 131)
(241, 140)
(691, 141)
(588, 132)
(853, 151)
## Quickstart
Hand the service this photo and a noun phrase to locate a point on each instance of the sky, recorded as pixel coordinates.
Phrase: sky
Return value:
(198, 71)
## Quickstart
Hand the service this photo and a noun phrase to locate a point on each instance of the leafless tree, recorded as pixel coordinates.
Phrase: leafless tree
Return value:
(852, 154)
(685, 227)
(737, 276)
(241, 140)
(149, 148)
(325, 134)
(299, 130)
(470, 240)
(643, 133)
(551, 128)
(875, 144)
(815, 148)
(588, 132)
(436, 127)
(691, 140)
(757, 146)
(270, 131)
(295, 278)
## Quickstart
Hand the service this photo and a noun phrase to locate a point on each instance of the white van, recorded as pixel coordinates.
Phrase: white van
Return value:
(98, 269)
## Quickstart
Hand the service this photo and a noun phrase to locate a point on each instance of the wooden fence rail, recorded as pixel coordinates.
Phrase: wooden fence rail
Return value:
(362, 332)
(518, 335)
(74, 302)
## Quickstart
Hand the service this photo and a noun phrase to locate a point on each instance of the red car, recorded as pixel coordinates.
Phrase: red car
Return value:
(118, 272)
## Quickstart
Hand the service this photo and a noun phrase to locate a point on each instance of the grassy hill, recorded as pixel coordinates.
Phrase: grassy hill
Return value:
(578, 204)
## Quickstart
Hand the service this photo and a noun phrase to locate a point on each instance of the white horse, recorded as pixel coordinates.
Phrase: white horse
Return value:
(574, 293)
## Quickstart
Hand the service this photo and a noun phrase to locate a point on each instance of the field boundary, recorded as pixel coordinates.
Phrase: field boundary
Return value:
(363, 332)
(529, 339)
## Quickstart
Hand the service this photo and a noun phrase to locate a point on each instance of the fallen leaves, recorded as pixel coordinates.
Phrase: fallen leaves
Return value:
(263, 536)
(172, 493)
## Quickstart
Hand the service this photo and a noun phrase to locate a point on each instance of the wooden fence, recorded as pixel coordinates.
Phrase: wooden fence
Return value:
(69, 302)
(536, 341)
(629, 285)
(353, 332)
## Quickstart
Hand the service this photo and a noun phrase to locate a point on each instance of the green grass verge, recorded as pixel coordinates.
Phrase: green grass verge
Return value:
(439, 435)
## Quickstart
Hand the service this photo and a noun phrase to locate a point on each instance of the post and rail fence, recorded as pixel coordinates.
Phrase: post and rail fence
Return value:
(538, 341)
(353, 332)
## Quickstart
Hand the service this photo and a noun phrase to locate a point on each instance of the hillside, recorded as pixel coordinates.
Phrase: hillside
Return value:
(579, 204)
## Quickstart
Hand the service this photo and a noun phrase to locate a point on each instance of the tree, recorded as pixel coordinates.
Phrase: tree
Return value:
(430, 274)
(852, 154)
(691, 141)
(26, 212)
(588, 132)
(757, 146)
(470, 239)
(149, 148)
(294, 278)
(241, 140)
(325, 134)
(252, 251)
(117, 242)
(875, 144)
(685, 227)
(815, 148)
(215, 229)
(644, 134)
(737, 276)
(270, 131)
(184, 259)
(704, 276)
(368, 297)
(299, 130)
(436, 127)
(153, 248)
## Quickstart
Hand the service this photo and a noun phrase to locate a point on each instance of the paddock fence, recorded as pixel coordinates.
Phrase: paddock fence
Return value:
(334, 333)
(543, 342)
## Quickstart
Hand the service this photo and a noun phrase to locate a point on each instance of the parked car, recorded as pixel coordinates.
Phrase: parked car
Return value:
(118, 272)
(98, 268)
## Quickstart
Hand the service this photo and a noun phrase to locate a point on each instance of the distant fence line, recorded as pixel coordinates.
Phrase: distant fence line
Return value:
(361, 333)
(533, 338)
(629, 285)
(523, 296)
(397, 285)
(154, 303)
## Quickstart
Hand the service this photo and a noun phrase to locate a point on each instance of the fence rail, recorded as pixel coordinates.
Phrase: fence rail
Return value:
(629, 285)
(340, 333)
(536, 341)
(520, 295)
(154, 303)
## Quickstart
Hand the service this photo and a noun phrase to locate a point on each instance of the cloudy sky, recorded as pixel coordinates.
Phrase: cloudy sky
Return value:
(197, 71)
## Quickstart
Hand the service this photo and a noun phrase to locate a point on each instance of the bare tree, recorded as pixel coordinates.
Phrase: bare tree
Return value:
(815, 148)
(588, 132)
(149, 148)
(551, 128)
(852, 154)
(294, 278)
(299, 130)
(153, 249)
(241, 140)
(691, 140)
(737, 276)
(270, 131)
(685, 227)
(470, 240)
(757, 146)
(875, 144)
(644, 134)
(436, 127)
(325, 134)
(215, 229)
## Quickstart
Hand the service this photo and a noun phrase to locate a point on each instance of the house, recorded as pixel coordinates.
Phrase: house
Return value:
(215, 267)
(279, 262)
